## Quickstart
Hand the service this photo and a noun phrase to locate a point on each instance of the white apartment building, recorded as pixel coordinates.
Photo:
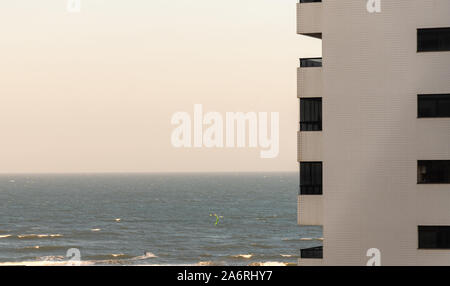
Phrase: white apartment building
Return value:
(374, 138)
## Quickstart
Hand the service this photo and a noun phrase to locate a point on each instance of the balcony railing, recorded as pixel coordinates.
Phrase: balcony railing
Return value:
(310, 62)
(311, 190)
(312, 253)
(310, 1)
(311, 125)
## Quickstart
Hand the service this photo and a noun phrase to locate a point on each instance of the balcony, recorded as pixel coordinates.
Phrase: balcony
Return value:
(311, 62)
(310, 199)
(309, 78)
(312, 253)
(311, 256)
(309, 18)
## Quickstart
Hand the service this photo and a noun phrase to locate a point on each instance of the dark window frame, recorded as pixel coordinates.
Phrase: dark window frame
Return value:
(312, 174)
(311, 114)
(311, 62)
(439, 43)
(433, 237)
(439, 173)
(436, 101)
(310, 1)
(312, 253)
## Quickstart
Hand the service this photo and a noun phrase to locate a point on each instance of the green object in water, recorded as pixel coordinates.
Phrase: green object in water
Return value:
(217, 218)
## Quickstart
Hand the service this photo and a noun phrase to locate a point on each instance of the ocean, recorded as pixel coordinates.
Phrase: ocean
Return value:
(152, 219)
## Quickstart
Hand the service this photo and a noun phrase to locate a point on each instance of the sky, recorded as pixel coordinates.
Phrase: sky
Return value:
(95, 91)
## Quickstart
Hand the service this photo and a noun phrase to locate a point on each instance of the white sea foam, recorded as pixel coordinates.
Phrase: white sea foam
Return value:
(62, 261)
(42, 261)
(38, 235)
(205, 263)
(45, 263)
(32, 247)
(96, 229)
(246, 256)
(145, 256)
(268, 263)
(52, 258)
(286, 255)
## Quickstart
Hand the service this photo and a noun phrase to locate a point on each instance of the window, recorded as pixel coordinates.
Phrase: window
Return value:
(433, 40)
(310, 178)
(433, 172)
(434, 105)
(310, 62)
(314, 35)
(434, 237)
(312, 253)
(310, 1)
(310, 114)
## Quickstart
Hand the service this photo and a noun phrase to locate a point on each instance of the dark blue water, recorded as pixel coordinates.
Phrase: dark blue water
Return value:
(116, 219)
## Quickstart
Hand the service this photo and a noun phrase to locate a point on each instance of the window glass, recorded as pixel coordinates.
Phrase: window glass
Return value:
(311, 114)
(434, 105)
(311, 178)
(433, 172)
(433, 40)
(437, 237)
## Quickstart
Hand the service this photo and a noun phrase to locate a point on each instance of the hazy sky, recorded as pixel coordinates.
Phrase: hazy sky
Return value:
(95, 91)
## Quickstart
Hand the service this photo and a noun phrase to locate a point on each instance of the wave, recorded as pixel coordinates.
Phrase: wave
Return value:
(260, 245)
(209, 263)
(106, 259)
(32, 247)
(302, 239)
(5, 236)
(47, 263)
(93, 263)
(245, 256)
(268, 263)
(52, 258)
(115, 258)
(43, 248)
(145, 256)
(34, 236)
(35, 263)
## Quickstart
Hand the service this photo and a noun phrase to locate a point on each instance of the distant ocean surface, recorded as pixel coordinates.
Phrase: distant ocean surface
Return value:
(152, 219)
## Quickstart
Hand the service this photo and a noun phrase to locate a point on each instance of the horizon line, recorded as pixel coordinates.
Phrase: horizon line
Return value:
(144, 173)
